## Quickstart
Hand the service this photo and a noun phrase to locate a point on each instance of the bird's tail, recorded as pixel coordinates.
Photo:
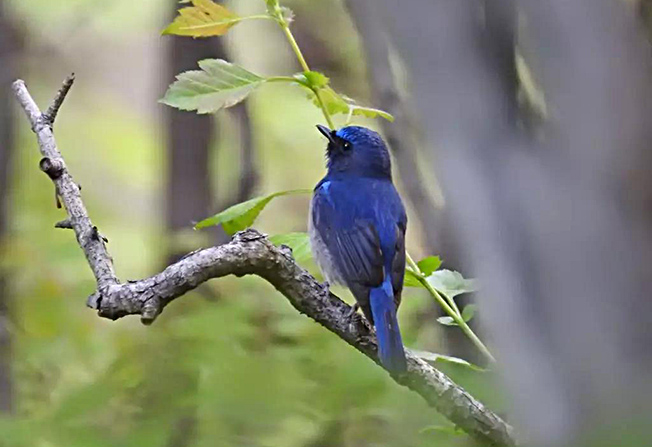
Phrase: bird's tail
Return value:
(390, 345)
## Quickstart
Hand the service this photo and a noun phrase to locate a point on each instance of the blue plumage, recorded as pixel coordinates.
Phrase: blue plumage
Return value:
(357, 230)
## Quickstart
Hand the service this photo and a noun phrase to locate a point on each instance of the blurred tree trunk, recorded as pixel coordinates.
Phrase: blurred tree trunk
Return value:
(558, 229)
(404, 138)
(190, 140)
(8, 50)
(191, 143)
(645, 11)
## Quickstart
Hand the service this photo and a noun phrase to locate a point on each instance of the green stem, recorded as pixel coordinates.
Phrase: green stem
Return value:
(329, 120)
(302, 61)
(450, 307)
(295, 47)
(281, 79)
(256, 17)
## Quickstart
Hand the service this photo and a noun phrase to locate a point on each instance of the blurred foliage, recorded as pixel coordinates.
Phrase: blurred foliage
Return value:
(242, 369)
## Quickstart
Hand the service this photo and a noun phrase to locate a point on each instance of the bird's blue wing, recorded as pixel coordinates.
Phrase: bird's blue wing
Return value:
(398, 262)
(351, 240)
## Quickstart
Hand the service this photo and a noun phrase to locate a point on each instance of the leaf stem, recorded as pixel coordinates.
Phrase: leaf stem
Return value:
(295, 46)
(280, 79)
(450, 307)
(278, 15)
(258, 16)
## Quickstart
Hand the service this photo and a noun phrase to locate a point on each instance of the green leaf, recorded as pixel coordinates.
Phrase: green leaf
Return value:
(447, 321)
(242, 216)
(333, 102)
(429, 265)
(370, 112)
(219, 84)
(340, 104)
(411, 279)
(468, 312)
(204, 19)
(451, 283)
(433, 357)
(298, 242)
(312, 79)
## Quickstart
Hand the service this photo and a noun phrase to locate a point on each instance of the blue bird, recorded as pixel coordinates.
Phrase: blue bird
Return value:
(357, 232)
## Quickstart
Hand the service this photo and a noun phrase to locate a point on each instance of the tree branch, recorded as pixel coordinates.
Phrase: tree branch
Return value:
(51, 114)
(248, 253)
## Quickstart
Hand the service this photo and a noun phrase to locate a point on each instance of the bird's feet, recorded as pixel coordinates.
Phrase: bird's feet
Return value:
(354, 310)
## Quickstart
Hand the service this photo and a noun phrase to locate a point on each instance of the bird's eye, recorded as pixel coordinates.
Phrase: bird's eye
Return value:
(346, 145)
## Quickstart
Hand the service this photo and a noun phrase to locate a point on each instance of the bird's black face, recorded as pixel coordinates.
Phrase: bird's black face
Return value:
(336, 145)
(356, 151)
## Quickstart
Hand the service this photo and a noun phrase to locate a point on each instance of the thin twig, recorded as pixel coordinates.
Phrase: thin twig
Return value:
(51, 114)
(251, 253)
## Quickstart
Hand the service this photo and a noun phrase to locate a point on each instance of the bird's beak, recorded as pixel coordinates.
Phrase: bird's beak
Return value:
(325, 131)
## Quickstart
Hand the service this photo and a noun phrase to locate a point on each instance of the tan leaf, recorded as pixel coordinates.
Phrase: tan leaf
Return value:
(204, 19)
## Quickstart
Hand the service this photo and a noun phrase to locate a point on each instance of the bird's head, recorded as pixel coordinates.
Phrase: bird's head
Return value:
(358, 151)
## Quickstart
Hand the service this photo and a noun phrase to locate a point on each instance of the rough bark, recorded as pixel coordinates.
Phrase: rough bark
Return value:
(248, 253)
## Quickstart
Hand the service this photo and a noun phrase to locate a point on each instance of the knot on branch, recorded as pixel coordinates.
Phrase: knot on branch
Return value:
(65, 224)
(248, 235)
(53, 168)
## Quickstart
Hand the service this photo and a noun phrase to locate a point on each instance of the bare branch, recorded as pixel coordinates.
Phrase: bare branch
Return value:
(53, 165)
(249, 253)
(51, 114)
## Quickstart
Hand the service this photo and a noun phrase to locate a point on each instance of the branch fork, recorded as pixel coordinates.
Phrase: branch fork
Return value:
(248, 253)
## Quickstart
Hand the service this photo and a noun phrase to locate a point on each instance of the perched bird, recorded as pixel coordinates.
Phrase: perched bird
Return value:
(357, 232)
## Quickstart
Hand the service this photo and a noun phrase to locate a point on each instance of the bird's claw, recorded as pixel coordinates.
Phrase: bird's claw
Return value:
(354, 310)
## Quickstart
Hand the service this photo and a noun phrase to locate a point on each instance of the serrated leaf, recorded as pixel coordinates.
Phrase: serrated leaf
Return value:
(434, 357)
(429, 265)
(469, 312)
(204, 19)
(242, 216)
(411, 279)
(218, 85)
(451, 283)
(298, 242)
(446, 321)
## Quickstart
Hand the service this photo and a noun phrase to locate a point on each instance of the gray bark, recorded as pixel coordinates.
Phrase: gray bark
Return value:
(248, 253)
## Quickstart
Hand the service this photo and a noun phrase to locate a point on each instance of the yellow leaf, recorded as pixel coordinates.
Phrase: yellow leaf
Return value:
(204, 19)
